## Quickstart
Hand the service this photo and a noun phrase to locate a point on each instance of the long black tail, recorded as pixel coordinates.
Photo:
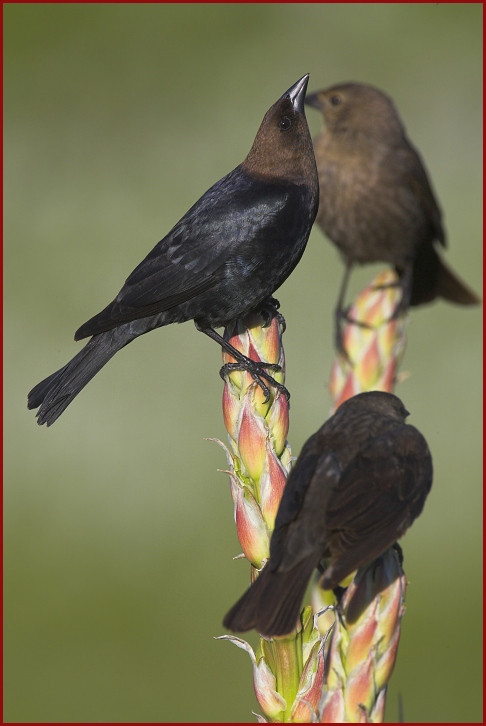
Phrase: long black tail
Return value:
(55, 393)
(272, 603)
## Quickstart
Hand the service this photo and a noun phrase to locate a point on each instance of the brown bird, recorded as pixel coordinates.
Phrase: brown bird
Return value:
(376, 202)
(357, 486)
(226, 256)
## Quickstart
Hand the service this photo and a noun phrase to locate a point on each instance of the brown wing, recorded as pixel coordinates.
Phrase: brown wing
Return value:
(413, 171)
(377, 498)
(272, 603)
(300, 530)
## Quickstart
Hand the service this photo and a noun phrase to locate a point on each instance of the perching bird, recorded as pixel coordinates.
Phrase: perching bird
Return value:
(376, 201)
(357, 486)
(225, 257)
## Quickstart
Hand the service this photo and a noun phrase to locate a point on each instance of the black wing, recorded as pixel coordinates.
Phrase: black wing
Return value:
(193, 256)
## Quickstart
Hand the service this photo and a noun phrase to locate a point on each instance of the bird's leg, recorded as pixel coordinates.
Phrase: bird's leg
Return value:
(405, 283)
(269, 310)
(338, 591)
(338, 594)
(342, 313)
(255, 368)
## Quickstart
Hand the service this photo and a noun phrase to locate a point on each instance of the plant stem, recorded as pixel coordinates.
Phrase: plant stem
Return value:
(288, 669)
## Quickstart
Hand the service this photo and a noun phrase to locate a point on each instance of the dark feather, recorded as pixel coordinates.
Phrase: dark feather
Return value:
(357, 486)
(272, 604)
(212, 250)
(225, 258)
(377, 203)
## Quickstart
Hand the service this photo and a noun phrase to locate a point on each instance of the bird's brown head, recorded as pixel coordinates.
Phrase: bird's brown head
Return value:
(377, 401)
(282, 150)
(358, 109)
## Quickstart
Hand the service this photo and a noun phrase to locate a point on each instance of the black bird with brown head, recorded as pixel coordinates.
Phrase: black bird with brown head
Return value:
(224, 258)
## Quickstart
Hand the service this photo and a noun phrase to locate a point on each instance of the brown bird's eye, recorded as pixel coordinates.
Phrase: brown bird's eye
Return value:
(335, 100)
(285, 123)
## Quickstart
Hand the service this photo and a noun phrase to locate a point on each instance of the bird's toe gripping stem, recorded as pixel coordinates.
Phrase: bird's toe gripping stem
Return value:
(270, 310)
(258, 373)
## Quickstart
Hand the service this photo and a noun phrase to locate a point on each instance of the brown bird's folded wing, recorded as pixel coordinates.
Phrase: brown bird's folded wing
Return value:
(379, 495)
(272, 603)
(304, 505)
(408, 163)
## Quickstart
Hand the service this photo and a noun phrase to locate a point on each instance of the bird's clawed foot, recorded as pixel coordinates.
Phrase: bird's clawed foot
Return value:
(269, 310)
(258, 373)
(405, 283)
(403, 304)
(342, 314)
(256, 369)
(400, 309)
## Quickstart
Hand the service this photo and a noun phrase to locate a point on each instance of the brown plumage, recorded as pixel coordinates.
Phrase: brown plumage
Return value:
(357, 486)
(376, 202)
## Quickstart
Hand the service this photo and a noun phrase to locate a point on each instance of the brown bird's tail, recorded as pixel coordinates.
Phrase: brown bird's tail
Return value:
(450, 287)
(271, 605)
(432, 278)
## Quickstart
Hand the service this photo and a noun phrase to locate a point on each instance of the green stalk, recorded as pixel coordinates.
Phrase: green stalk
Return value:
(288, 669)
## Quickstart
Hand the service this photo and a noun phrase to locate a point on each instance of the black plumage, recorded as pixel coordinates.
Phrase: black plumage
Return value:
(357, 485)
(224, 258)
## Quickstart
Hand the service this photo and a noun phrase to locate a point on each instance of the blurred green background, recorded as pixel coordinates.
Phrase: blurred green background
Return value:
(119, 532)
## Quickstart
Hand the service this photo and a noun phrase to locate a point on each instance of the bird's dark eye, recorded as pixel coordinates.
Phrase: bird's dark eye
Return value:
(285, 123)
(335, 100)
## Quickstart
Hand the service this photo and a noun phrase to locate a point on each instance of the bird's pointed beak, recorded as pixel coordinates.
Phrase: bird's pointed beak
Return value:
(296, 94)
(312, 99)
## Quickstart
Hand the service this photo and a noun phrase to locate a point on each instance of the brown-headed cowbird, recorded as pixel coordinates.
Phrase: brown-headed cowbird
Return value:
(376, 201)
(357, 486)
(225, 257)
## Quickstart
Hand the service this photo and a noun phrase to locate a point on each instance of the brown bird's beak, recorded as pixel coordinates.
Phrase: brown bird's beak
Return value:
(296, 94)
(313, 100)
